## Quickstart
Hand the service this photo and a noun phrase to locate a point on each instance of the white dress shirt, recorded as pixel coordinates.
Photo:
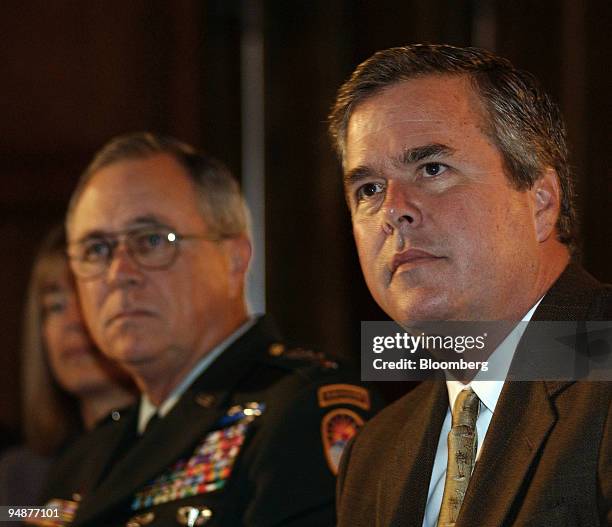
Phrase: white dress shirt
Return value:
(488, 393)
(148, 409)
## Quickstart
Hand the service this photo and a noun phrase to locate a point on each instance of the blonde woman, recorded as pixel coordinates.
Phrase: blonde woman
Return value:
(67, 385)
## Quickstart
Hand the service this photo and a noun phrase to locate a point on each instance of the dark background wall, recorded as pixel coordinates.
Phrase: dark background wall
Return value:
(73, 74)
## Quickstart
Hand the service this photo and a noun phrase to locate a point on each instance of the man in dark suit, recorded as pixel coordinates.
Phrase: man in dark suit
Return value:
(233, 428)
(457, 179)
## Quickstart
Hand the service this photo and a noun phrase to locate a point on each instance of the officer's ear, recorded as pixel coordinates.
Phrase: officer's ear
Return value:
(546, 194)
(238, 251)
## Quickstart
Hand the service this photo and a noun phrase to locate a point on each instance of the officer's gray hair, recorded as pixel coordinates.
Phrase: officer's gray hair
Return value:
(219, 198)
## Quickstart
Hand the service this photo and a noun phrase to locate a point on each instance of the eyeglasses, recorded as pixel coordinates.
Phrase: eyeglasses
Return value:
(152, 248)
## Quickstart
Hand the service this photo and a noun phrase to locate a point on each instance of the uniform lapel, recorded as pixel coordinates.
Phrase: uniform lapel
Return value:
(150, 455)
(402, 494)
(117, 436)
(175, 436)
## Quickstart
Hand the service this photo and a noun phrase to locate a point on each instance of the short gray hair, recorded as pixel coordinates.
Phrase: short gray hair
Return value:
(219, 198)
(522, 120)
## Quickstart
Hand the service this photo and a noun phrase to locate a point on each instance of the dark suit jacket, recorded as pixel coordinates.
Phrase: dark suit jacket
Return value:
(545, 460)
(280, 475)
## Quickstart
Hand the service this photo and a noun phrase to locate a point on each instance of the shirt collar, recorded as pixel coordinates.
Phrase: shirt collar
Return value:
(488, 391)
(148, 409)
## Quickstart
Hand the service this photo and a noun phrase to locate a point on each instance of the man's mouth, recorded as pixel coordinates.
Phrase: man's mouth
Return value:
(128, 314)
(412, 258)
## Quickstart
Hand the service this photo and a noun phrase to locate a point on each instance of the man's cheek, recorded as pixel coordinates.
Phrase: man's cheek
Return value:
(363, 232)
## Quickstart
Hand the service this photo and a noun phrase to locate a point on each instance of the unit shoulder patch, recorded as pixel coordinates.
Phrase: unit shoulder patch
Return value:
(333, 394)
(337, 429)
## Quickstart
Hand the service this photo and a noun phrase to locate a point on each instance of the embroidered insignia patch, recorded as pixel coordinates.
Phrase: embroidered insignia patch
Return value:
(209, 466)
(66, 509)
(344, 394)
(337, 429)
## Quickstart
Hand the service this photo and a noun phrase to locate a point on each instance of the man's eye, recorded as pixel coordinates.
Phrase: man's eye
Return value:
(433, 169)
(368, 190)
(150, 241)
(95, 250)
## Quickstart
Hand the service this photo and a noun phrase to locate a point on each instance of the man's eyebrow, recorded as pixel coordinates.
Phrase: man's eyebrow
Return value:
(148, 220)
(419, 153)
(357, 174)
(408, 156)
(96, 233)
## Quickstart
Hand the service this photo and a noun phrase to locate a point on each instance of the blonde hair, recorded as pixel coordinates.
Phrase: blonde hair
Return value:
(50, 415)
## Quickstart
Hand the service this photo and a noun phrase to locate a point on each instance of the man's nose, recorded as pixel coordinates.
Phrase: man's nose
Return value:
(403, 207)
(122, 269)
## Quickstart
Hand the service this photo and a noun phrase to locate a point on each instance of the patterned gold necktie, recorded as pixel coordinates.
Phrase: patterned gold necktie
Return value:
(462, 443)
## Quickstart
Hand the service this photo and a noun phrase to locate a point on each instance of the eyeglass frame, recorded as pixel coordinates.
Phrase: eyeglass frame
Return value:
(114, 239)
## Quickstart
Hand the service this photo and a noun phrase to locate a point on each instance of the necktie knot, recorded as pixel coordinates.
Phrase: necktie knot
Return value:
(465, 410)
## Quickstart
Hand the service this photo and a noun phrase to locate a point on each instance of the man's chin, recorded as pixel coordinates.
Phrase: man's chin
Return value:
(423, 309)
(131, 352)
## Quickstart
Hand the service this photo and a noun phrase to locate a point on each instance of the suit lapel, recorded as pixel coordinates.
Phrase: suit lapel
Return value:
(522, 421)
(524, 415)
(177, 434)
(570, 298)
(402, 494)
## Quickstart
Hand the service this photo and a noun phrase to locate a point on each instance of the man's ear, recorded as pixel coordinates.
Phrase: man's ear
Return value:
(238, 251)
(546, 193)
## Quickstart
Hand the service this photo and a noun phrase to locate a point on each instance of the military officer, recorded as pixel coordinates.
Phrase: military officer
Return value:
(233, 428)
